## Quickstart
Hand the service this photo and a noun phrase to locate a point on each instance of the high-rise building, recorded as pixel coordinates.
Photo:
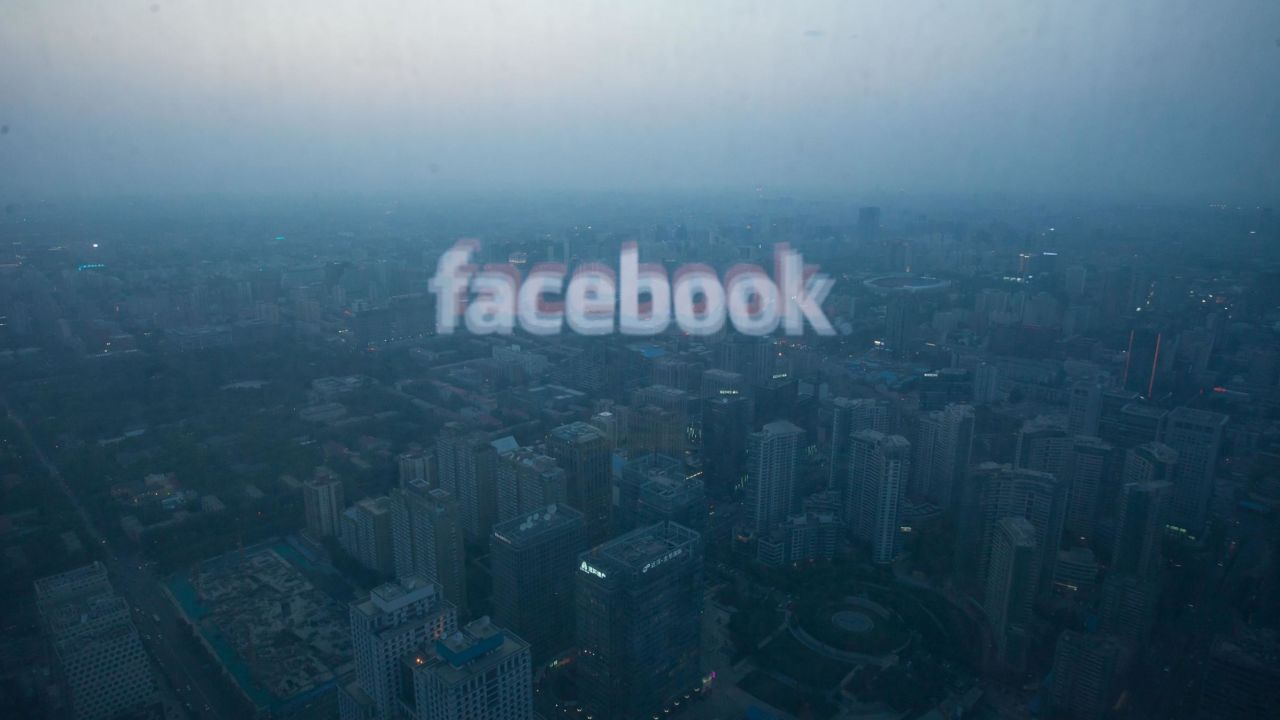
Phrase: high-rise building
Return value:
(676, 499)
(879, 470)
(1044, 445)
(1150, 462)
(528, 480)
(901, 310)
(639, 604)
(323, 503)
(849, 416)
(721, 383)
(98, 655)
(998, 491)
(427, 539)
(479, 672)
(395, 620)
(1126, 421)
(1012, 577)
(368, 537)
(467, 462)
(1085, 671)
(1242, 677)
(944, 447)
(1144, 507)
(803, 537)
(1092, 465)
(1196, 435)
(534, 558)
(584, 454)
(638, 471)
(986, 383)
(1085, 407)
(416, 464)
(772, 457)
(726, 421)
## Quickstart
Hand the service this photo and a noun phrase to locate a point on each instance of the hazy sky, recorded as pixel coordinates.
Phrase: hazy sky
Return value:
(1111, 98)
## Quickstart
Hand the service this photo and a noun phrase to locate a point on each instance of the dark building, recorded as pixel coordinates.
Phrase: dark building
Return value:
(583, 452)
(533, 560)
(726, 421)
(639, 605)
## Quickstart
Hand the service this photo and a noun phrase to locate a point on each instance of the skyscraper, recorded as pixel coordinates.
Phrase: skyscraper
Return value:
(1085, 671)
(1144, 507)
(1012, 578)
(534, 559)
(944, 446)
(427, 539)
(636, 473)
(395, 620)
(583, 453)
(879, 469)
(467, 461)
(849, 416)
(479, 672)
(1196, 435)
(673, 499)
(639, 604)
(1085, 407)
(1091, 465)
(1242, 676)
(322, 503)
(772, 456)
(1044, 445)
(371, 544)
(998, 491)
(528, 480)
(726, 421)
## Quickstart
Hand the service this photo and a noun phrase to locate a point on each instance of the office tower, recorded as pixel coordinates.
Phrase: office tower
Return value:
(1085, 407)
(528, 480)
(720, 383)
(1076, 571)
(98, 655)
(661, 420)
(1085, 670)
(849, 416)
(1012, 579)
(1148, 361)
(900, 322)
(776, 397)
(416, 464)
(879, 470)
(676, 373)
(772, 457)
(1092, 465)
(1127, 421)
(635, 473)
(986, 384)
(480, 672)
(1242, 677)
(534, 558)
(639, 604)
(1144, 507)
(944, 446)
(868, 222)
(999, 491)
(1044, 445)
(427, 539)
(651, 429)
(367, 538)
(584, 455)
(1128, 606)
(322, 503)
(942, 387)
(1150, 462)
(395, 620)
(726, 421)
(677, 499)
(466, 462)
(804, 537)
(1196, 435)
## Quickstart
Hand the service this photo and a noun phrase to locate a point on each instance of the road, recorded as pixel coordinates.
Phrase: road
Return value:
(188, 680)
